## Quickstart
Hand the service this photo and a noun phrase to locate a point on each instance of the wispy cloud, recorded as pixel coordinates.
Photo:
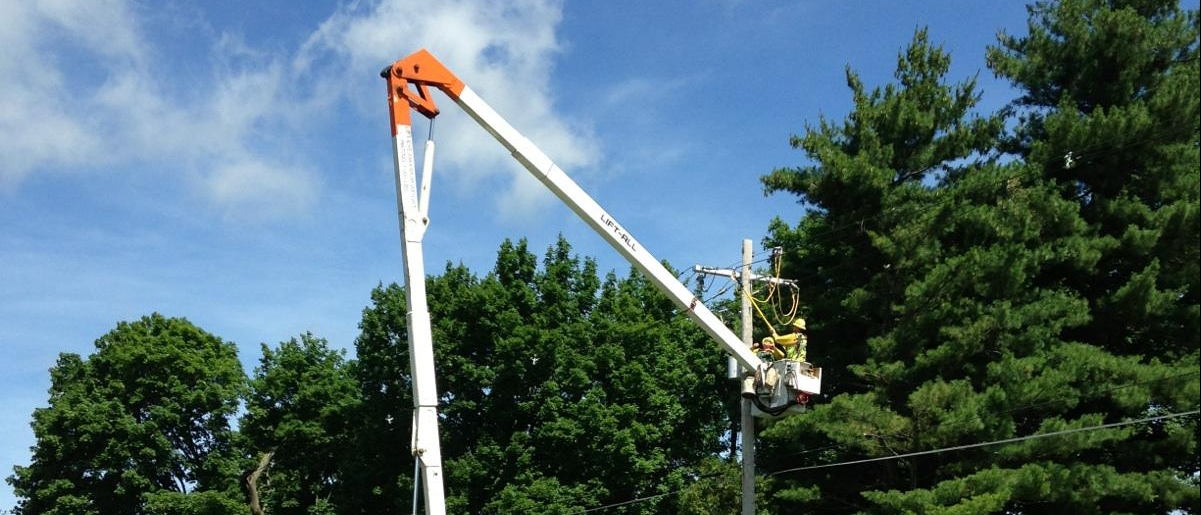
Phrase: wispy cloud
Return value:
(503, 50)
(104, 88)
(38, 129)
(83, 96)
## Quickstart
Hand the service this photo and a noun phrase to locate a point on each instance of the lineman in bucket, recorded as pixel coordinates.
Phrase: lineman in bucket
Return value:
(770, 380)
(792, 346)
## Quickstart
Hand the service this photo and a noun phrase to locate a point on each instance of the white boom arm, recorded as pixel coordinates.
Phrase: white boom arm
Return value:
(603, 223)
(409, 80)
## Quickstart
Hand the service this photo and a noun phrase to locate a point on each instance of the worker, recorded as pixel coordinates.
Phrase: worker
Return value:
(792, 346)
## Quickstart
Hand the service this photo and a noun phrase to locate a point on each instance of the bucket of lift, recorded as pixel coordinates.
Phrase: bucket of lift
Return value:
(782, 387)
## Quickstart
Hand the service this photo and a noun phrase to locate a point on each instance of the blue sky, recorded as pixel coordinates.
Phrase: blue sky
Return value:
(230, 162)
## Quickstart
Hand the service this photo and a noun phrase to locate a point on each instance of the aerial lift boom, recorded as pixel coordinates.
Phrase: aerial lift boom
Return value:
(410, 81)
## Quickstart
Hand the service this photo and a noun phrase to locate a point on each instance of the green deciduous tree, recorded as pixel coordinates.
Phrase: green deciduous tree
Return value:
(137, 425)
(299, 421)
(380, 480)
(717, 490)
(560, 391)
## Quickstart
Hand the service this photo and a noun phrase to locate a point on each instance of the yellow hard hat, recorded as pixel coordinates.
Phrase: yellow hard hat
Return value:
(799, 324)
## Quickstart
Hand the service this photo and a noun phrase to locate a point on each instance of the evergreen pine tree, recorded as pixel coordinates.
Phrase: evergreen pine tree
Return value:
(961, 294)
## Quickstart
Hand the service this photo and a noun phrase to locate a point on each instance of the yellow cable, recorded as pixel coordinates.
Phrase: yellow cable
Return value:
(755, 304)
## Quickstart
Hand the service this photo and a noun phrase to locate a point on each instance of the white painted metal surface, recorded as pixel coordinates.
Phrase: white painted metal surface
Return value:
(425, 444)
(534, 160)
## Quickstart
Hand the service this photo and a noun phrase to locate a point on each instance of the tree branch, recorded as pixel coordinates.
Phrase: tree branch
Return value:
(252, 479)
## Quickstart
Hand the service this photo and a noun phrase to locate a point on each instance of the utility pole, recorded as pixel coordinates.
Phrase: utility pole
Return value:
(734, 371)
(748, 420)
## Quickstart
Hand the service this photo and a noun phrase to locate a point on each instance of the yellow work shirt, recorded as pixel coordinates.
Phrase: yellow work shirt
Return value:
(789, 346)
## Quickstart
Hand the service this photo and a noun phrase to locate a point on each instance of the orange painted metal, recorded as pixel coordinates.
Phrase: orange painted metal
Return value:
(409, 82)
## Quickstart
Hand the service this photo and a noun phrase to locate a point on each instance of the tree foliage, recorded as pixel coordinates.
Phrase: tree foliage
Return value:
(717, 490)
(1109, 115)
(147, 415)
(985, 298)
(298, 420)
(561, 391)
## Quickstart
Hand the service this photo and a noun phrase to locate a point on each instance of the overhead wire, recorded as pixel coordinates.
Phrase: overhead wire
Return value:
(926, 213)
(783, 317)
(994, 442)
(774, 283)
(631, 501)
(1119, 142)
(940, 450)
(953, 423)
(730, 283)
(771, 286)
(642, 499)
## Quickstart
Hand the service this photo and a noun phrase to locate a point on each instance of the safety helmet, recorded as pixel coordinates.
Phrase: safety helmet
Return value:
(799, 324)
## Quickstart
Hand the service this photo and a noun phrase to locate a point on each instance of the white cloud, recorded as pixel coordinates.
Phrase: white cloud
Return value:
(93, 88)
(503, 50)
(107, 27)
(86, 99)
(36, 127)
(272, 189)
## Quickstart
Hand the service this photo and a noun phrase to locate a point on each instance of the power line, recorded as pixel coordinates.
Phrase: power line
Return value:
(912, 454)
(953, 423)
(641, 499)
(995, 442)
(631, 501)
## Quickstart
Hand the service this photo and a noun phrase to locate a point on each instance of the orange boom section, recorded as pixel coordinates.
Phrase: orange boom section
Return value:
(409, 80)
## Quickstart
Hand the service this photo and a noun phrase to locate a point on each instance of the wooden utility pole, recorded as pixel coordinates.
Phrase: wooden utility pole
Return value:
(748, 420)
(734, 371)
